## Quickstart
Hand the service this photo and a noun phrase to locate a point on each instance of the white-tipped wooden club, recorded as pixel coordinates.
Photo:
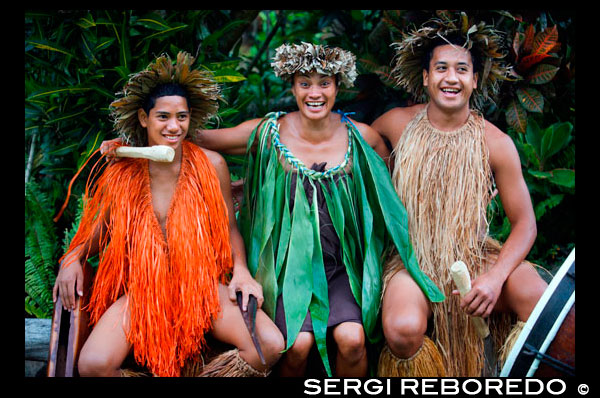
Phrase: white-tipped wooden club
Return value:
(462, 279)
(158, 153)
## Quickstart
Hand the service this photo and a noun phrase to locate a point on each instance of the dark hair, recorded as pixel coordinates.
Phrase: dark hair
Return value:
(164, 90)
(455, 39)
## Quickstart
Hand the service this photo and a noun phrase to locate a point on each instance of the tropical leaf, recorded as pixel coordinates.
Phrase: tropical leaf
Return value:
(534, 135)
(543, 74)
(542, 207)
(555, 138)
(228, 76)
(531, 99)
(528, 40)
(50, 46)
(517, 43)
(545, 41)
(562, 177)
(530, 60)
(86, 22)
(516, 116)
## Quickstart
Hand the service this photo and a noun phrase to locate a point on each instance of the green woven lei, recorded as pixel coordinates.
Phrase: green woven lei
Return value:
(284, 247)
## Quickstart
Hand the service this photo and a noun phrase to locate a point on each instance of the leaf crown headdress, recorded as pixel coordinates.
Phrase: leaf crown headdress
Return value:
(306, 57)
(480, 39)
(202, 93)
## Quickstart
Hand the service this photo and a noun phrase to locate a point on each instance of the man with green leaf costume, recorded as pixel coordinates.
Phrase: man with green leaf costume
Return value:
(316, 235)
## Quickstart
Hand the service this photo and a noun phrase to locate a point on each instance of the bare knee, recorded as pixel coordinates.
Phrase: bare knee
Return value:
(301, 348)
(522, 290)
(404, 334)
(272, 344)
(350, 339)
(93, 363)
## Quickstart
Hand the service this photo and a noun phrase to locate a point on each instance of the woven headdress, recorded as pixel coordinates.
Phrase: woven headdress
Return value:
(481, 39)
(307, 57)
(202, 91)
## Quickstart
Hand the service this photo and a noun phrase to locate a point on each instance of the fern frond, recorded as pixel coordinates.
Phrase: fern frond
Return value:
(40, 251)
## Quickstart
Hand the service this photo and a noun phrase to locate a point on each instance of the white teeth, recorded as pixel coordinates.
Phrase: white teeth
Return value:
(450, 90)
(315, 103)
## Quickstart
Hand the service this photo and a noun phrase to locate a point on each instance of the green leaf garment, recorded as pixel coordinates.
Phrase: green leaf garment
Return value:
(283, 246)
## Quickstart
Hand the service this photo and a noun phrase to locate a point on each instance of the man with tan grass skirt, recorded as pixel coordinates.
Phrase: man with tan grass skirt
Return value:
(447, 162)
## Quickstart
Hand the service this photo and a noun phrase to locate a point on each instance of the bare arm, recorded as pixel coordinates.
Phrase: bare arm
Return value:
(231, 140)
(391, 124)
(70, 273)
(374, 140)
(241, 280)
(516, 202)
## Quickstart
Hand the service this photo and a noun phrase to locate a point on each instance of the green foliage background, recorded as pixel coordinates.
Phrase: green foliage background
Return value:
(75, 62)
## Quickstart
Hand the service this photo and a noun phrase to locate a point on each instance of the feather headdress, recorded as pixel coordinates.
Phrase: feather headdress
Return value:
(202, 90)
(307, 57)
(480, 39)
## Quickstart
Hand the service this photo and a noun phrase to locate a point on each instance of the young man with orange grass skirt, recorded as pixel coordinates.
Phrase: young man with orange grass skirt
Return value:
(168, 242)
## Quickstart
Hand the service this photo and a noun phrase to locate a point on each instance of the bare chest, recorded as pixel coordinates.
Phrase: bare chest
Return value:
(162, 188)
(331, 150)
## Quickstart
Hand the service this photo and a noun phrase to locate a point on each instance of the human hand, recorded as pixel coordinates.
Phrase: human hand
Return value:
(69, 279)
(108, 147)
(482, 298)
(242, 281)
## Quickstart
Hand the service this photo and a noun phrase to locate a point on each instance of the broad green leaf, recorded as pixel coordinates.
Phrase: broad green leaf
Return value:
(555, 138)
(319, 304)
(540, 174)
(298, 282)
(563, 177)
(528, 155)
(534, 135)
(531, 99)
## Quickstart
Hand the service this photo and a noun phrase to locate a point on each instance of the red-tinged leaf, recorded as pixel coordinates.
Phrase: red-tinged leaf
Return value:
(517, 43)
(516, 117)
(530, 60)
(545, 41)
(531, 99)
(528, 42)
(543, 74)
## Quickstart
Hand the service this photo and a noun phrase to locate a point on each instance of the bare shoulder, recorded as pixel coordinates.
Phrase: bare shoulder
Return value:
(216, 159)
(366, 131)
(391, 124)
(500, 145)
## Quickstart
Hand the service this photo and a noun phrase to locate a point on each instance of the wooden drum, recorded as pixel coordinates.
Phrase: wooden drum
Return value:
(546, 345)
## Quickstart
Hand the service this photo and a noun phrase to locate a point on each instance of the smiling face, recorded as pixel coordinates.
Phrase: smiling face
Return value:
(315, 94)
(167, 122)
(450, 79)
